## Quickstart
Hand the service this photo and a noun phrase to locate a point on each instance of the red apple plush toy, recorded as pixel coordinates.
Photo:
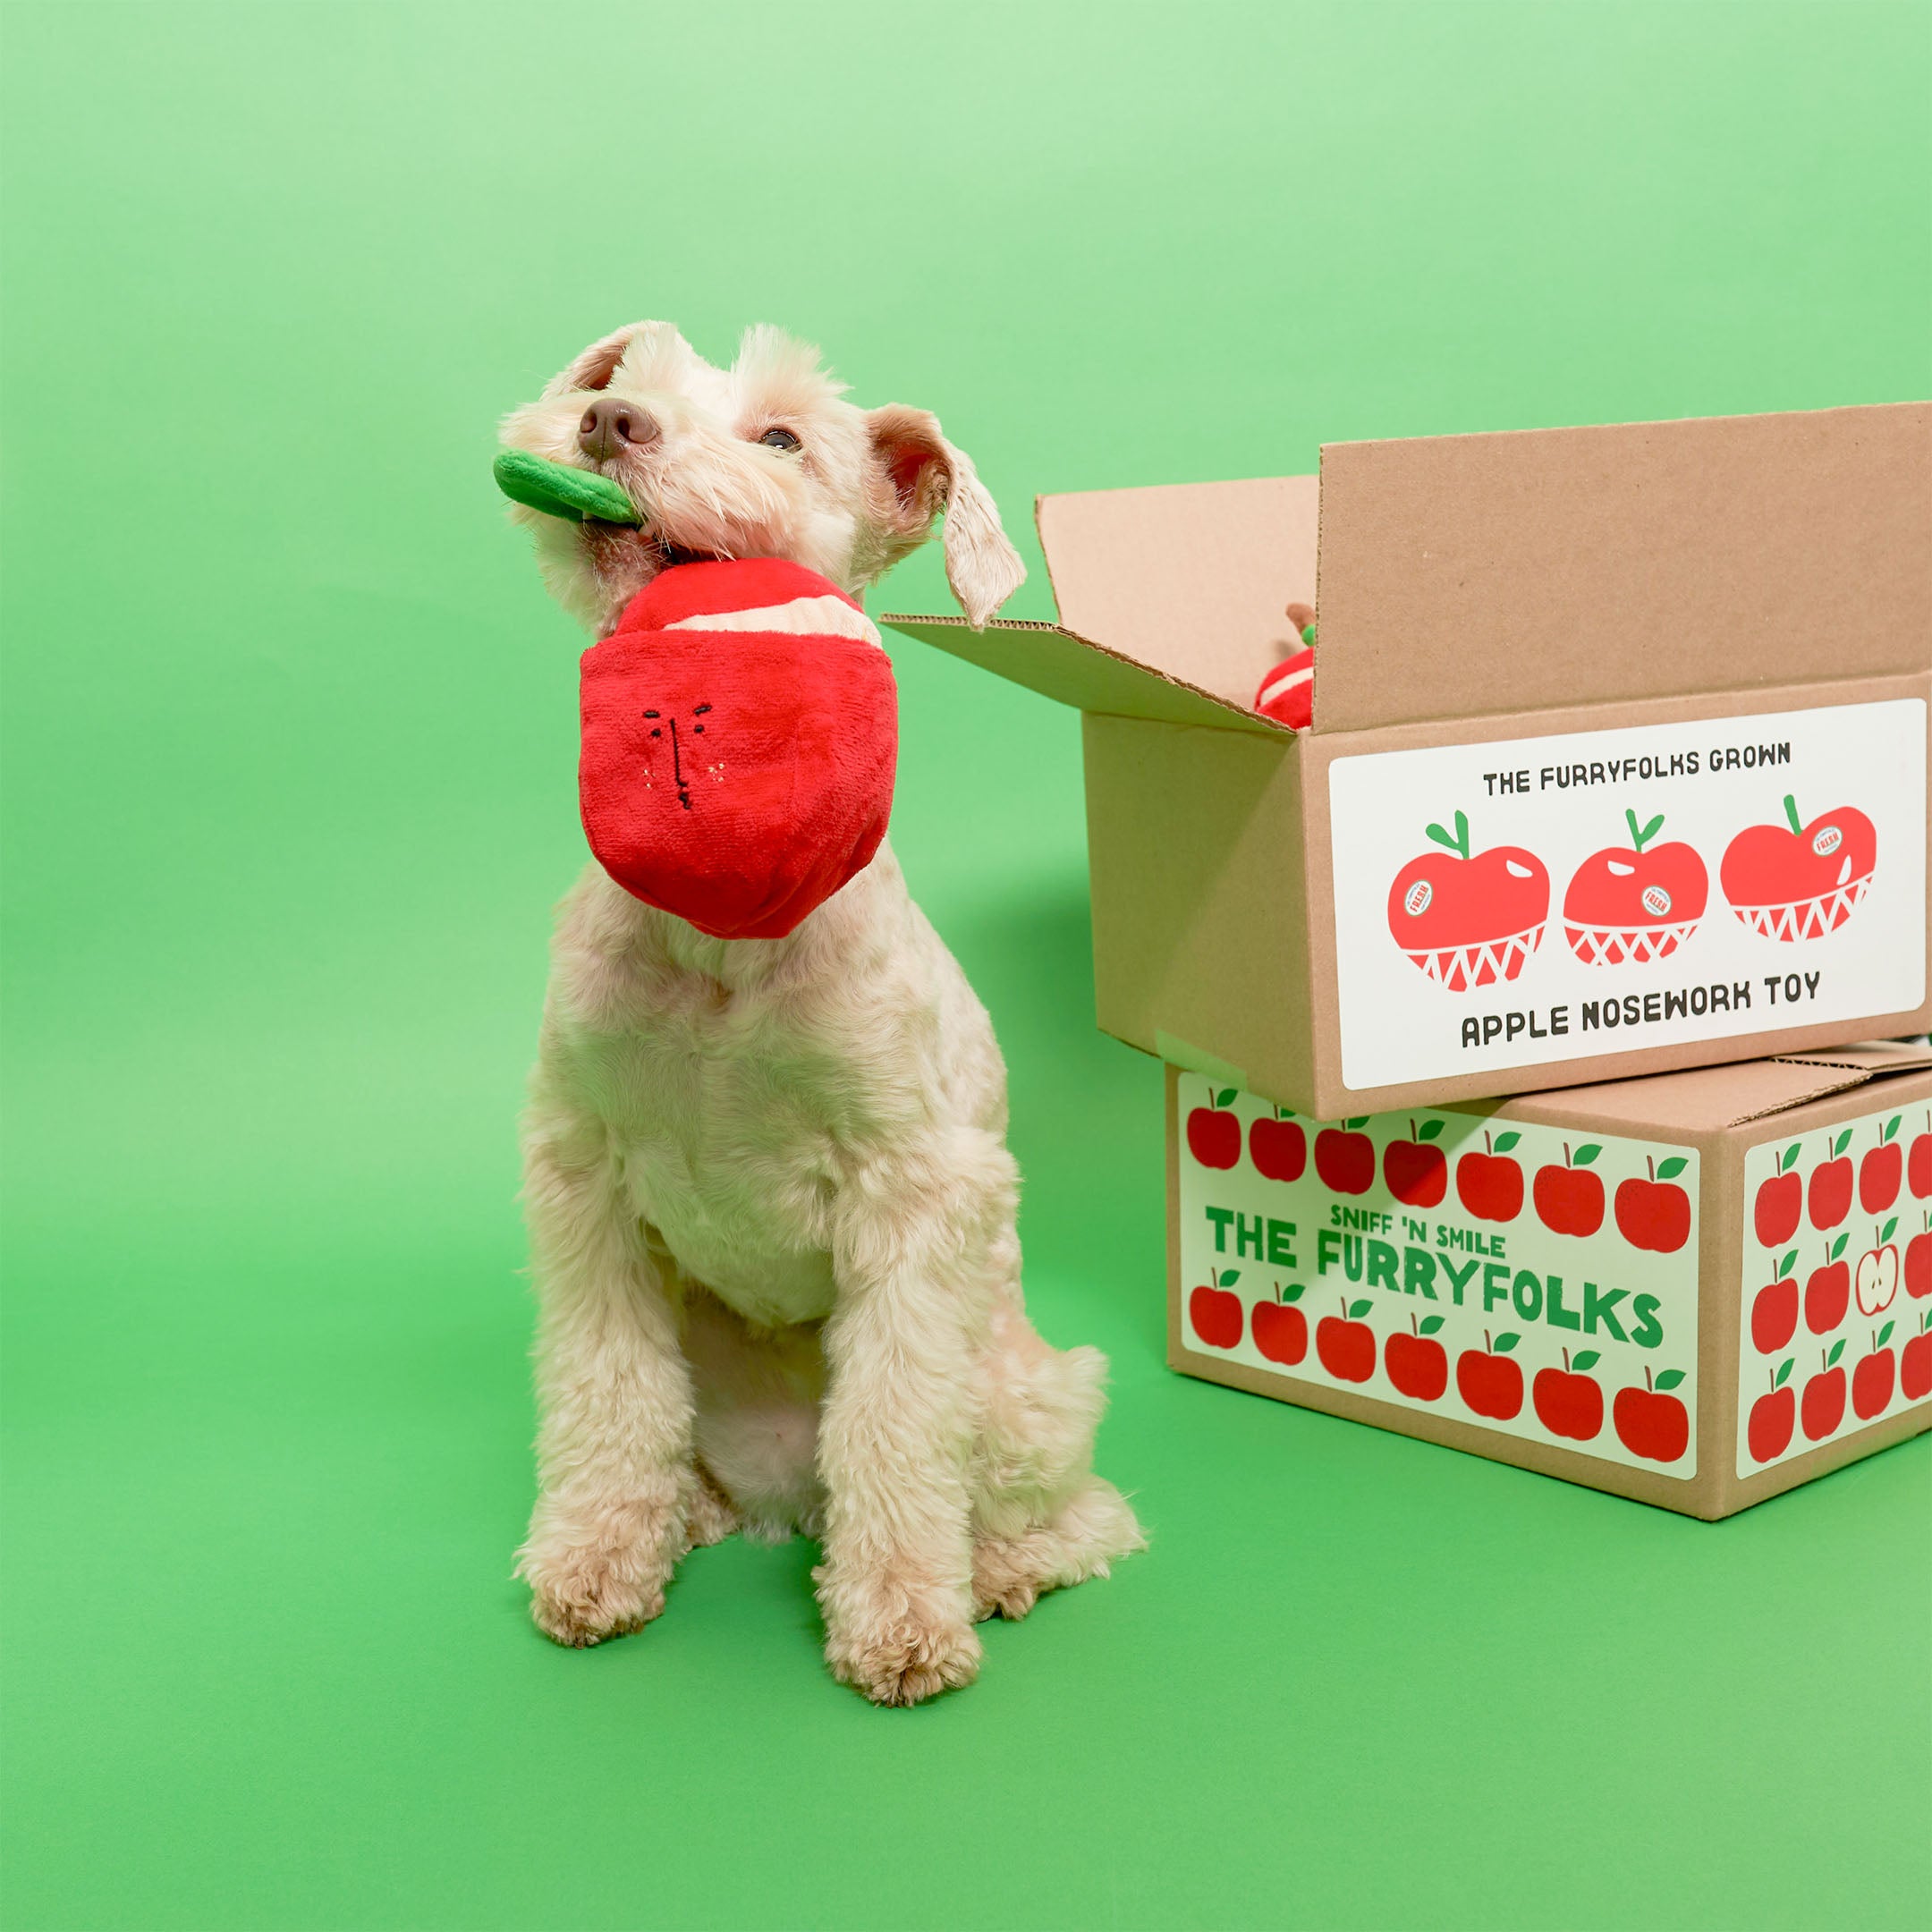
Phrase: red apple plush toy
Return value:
(1287, 693)
(740, 737)
(1637, 903)
(1803, 883)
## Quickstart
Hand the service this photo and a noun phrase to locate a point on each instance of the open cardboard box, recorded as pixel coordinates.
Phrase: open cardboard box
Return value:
(1532, 647)
(1699, 1289)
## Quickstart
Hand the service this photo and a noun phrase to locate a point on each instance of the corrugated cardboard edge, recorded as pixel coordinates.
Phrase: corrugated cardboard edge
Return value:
(1876, 1057)
(1715, 1490)
(1159, 697)
(1835, 1077)
(1725, 1094)
(1193, 578)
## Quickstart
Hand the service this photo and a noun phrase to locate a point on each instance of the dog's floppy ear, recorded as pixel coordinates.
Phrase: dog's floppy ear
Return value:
(915, 474)
(594, 368)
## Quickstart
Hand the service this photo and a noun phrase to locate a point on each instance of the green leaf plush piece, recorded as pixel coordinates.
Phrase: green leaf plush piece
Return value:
(562, 490)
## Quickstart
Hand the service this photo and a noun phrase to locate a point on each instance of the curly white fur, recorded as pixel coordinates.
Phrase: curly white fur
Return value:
(771, 1208)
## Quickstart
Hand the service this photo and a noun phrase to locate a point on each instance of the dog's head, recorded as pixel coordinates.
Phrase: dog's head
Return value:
(764, 459)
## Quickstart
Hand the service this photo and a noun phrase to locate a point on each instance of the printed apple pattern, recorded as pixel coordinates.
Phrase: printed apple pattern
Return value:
(1572, 1217)
(1470, 919)
(1639, 902)
(1803, 881)
(1846, 1211)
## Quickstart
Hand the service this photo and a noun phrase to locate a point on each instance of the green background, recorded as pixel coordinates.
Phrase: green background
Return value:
(289, 742)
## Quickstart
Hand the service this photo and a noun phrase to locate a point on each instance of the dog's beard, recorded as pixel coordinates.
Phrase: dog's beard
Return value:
(622, 560)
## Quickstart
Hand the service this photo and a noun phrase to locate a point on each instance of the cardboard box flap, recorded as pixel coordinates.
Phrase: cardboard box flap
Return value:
(1481, 574)
(1709, 1099)
(1059, 663)
(1191, 579)
(1873, 1058)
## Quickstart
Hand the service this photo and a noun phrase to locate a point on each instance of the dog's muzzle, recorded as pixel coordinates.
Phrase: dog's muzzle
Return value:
(740, 735)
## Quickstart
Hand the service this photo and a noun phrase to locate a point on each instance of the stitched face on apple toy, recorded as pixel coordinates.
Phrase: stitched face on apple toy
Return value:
(770, 1204)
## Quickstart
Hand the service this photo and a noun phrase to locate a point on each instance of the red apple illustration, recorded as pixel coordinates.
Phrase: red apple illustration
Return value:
(1469, 921)
(1871, 1380)
(1882, 1170)
(1276, 1146)
(1417, 1366)
(1829, 1201)
(1570, 1200)
(1417, 1174)
(1213, 1134)
(1803, 883)
(1280, 1329)
(1637, 903)
(1656, 1213)
(1828, 1291)
(1823, 1407)
(1649, 1422)
(1488, 1185)
(1915, 1362)
(1344, 1159)
(1774, 1312)
(1769, 1430)
(1567, 1401)
(1918, 1162)
(1780, 1202)
(1488, 1382)
(1874, 1281)
(1919, 1261)
(1217, 1316)
(1346, 1343)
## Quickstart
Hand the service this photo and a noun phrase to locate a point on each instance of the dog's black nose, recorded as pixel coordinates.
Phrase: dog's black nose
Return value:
(611, 425)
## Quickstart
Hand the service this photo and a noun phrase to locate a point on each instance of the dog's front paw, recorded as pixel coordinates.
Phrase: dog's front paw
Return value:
(599, 1571)
(896, 1648)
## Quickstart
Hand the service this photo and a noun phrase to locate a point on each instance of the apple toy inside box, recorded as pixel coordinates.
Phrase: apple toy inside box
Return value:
(1697, 1289)
(1617, 764)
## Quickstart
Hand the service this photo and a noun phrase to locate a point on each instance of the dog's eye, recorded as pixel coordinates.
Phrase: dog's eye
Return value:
(779, 439)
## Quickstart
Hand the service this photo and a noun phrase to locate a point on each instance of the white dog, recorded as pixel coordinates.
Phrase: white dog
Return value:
(771, 1208)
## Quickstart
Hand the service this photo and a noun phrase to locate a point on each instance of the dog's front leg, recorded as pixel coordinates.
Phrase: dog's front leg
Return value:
(897, 1582)
(613, 1444)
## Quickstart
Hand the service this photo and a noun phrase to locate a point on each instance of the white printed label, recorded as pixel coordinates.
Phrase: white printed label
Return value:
(1836, 1310)
(1538, 899)
(1535, 1285)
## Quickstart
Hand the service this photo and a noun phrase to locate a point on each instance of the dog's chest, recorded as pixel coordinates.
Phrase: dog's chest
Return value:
(729, 1129)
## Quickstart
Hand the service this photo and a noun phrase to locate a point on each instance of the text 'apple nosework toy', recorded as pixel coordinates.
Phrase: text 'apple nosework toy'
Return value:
(740, 730)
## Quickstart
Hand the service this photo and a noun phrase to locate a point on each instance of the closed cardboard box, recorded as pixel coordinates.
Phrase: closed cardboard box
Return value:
(1618, 759)
(1697, 1289)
